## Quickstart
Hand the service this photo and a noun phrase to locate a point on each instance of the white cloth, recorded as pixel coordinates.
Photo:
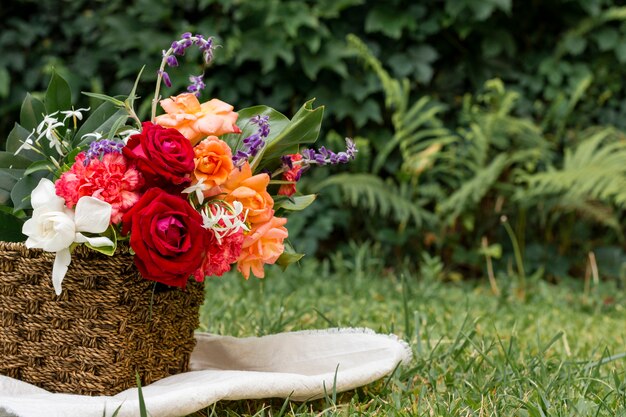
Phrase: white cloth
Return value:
(299, 365)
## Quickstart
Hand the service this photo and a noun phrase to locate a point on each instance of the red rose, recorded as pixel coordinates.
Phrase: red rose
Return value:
(167, 236)
(164, 156)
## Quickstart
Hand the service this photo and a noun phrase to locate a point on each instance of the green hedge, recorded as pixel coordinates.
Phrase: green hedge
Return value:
(561, 60)
(284, 52)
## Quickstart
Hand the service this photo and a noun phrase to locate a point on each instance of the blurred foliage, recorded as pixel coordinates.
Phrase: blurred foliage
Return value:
(428, 188)
(437, 166)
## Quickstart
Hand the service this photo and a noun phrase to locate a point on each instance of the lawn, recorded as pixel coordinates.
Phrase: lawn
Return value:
(561, 352)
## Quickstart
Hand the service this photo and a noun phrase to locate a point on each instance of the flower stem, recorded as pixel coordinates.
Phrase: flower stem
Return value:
(157, 89)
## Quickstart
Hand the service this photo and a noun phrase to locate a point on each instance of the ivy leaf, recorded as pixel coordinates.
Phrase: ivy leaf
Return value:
(386, 20)
(606, 38)
(10, 227)
(620, 52)
(333, 57)
(575, 45)
(58, 96)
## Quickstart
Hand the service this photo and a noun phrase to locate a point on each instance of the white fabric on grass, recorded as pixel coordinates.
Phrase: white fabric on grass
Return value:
(299, 365)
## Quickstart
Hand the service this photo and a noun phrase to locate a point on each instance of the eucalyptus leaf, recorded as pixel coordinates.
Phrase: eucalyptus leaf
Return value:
(11, 228)
(58, 95)
(101, 121)
(46, 166)
(7, 182)
(20, 195)
(9, 160)
(105, 98)
(130, 101)
(16, 138)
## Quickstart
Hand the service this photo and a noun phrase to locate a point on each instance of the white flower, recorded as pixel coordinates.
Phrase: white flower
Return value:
(53, 227)
(197, 188)
(127, 134)
(224, 221)
(27, 144)
(74, 113)
(95, 135)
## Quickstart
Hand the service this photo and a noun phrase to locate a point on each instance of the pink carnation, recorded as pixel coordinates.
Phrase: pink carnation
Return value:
(219, 258)
(111, 179)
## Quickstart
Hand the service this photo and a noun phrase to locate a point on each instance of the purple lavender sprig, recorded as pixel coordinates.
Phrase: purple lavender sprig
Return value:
(253, 143)
(179, 47)
(327, 157)
(197, 84)
(100, 148)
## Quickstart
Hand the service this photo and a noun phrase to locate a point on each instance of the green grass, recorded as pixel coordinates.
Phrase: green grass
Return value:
(558, 353)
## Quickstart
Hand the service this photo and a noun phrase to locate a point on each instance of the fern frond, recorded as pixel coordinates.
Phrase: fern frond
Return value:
(378, 197)
(595, 170)
(474, 189)
(396, 92)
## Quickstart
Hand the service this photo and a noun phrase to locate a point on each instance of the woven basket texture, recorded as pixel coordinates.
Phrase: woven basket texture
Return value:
(107, 324)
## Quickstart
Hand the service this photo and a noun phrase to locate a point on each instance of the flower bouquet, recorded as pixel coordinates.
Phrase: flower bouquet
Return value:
(109, 225)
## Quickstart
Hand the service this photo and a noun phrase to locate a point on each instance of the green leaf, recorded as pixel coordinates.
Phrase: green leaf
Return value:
(58, 96)
(8, 179)
(288, 257)
(130, 101)
(294, 203)
(5, 82)
(46, 166)
(117, 125)
(105, 98)
(620, 52)
(9, 160)
(31, 113)
(100, 121)
(16, 138)
(11, 228)
(386, 20)
(303, 128)
(107, 250)
(20, 195)
(575, 45)
(606, 38)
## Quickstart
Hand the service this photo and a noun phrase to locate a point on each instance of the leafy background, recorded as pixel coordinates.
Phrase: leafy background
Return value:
(490, 132)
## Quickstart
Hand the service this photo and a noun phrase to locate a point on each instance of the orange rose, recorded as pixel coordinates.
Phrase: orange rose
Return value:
(251, 191)
(263, 245)
(196, 121)
(214, 161)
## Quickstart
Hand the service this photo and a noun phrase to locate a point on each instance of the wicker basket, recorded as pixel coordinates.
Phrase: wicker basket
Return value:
(107, 324)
